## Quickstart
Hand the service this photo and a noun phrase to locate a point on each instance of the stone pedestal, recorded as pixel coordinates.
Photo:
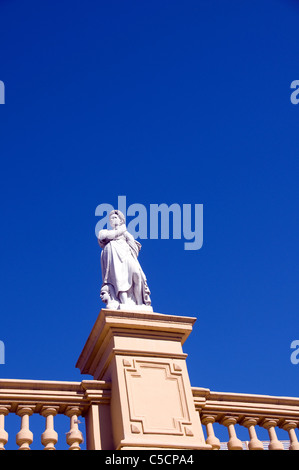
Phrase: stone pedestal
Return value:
(152, 405)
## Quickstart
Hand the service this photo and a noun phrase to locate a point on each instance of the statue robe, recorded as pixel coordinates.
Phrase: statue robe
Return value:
(119, 262)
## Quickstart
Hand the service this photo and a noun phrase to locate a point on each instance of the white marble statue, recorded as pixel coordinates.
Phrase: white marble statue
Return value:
(120, 266)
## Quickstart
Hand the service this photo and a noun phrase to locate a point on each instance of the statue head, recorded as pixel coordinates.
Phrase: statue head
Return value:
(105, 294)
(116, 218)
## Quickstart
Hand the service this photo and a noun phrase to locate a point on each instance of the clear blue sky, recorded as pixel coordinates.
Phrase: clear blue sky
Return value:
(175, 102)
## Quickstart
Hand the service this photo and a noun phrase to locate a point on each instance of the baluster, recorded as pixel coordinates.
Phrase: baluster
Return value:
(255, 443)
(270, 424)
(211, 438)
(24, 437)
(74, 437)
(49, 437)
(4, 410)
(234, 443)
(290, 426)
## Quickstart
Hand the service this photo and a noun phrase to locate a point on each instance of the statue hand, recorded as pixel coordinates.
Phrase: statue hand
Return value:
(122, 229)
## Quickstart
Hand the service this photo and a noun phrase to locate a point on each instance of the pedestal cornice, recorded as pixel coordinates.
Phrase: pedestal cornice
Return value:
(154, 328)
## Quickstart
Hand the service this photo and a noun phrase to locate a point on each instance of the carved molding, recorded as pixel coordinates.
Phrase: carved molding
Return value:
(156, 386)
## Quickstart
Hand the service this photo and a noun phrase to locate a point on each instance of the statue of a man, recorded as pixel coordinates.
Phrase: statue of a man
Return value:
(119, 263)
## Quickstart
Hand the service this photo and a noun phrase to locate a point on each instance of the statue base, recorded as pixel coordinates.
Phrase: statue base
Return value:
(151, 406)
(135, 308)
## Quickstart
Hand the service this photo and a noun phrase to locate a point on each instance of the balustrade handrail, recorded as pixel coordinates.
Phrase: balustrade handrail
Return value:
(62, 394)
(244, 404)
(248, 410)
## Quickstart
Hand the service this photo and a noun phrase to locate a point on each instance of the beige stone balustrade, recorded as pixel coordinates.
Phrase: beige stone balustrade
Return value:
(49, 437)
(254, 443)
(24, 437)
(290, 426)
(74, 437)
(4, 410)
(271, 424)
(90, 401)
(49, 398)
(250, 411)
(234, 443)
(211, 438)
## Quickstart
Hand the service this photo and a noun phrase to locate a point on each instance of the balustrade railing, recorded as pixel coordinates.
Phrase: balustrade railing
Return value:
(26, 398)
(250, 411)
(49, 398)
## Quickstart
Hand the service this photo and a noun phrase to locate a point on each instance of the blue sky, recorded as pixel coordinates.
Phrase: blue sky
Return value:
(164, 102)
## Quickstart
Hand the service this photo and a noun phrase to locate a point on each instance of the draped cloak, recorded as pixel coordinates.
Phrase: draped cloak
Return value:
(119, 262)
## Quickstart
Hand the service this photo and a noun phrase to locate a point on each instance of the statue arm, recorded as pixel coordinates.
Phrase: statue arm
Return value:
(106, 236)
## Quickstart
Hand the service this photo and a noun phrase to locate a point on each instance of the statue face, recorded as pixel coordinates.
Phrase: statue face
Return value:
(104, 294)
(114, 220)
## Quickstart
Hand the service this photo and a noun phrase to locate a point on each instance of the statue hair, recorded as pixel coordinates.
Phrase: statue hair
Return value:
(120, 215)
